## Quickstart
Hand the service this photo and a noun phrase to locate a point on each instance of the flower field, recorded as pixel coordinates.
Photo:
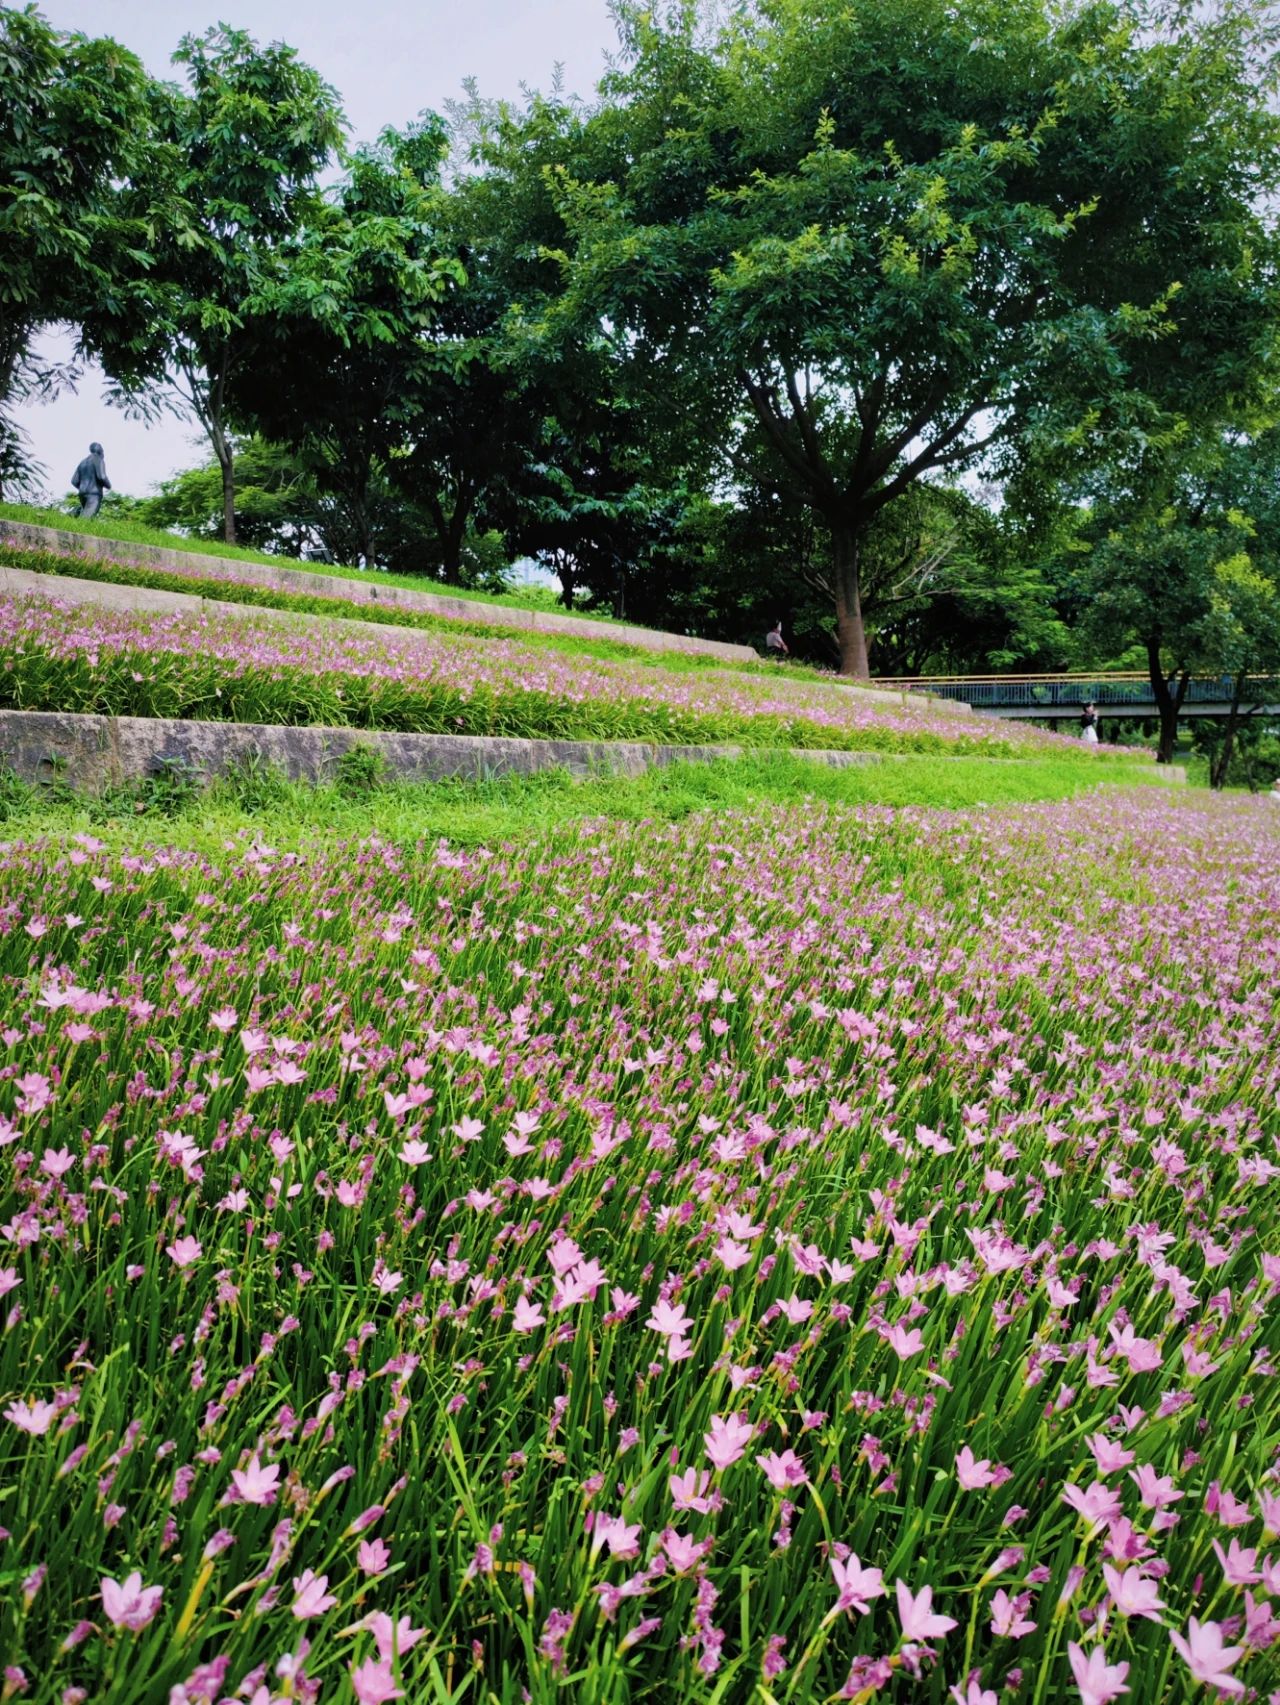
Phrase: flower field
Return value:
(808, 1255)
(55, 657)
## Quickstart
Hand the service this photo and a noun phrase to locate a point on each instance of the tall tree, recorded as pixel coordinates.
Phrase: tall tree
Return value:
(346, 332)
(915, 236)
(76, 134)
(246, 143)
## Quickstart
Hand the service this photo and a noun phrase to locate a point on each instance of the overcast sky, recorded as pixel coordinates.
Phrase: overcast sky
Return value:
(388, 61)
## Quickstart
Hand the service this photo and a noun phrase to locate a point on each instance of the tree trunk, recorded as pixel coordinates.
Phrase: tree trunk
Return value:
(568, 577)
(1168, 700)
(228, 498)
(212, 418)
(846, 550)
(1222, 761)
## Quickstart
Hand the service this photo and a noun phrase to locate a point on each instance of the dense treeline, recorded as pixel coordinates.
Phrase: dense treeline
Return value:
(946, 334)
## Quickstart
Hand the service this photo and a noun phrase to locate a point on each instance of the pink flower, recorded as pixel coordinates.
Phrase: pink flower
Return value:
(689, 1490)
(1156, 1490)
(128, 1604)
(855, 1585)
(32, 1416)
(975, 1694)
(391, 1637)
(1099, 1503)
(184, 1251)
(783, 1471)
(1238, 1563)
(372, 1555)
(1206, 1656)
(727, 1440)
(915, 1612)
(528, 1316)
(622, 1538)
(683, 1552)
(1132, 1593)
(372, 1683)
(254, 1483)
(1098, 1681)
(670, 1322)
(1006, 1615)
(1109, 1456)
(973, 1475)
(906, 1343)
(310, 1597)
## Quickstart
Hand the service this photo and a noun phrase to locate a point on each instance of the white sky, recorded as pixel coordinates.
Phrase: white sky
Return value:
(388, 61)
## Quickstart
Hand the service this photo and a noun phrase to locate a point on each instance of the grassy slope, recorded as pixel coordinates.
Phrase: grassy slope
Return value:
(512, 809)
(606, 647)
(134, 533)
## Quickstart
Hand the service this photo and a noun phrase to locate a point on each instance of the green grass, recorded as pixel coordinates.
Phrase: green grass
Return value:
(128, 532)
(516, 808)
(105, 571)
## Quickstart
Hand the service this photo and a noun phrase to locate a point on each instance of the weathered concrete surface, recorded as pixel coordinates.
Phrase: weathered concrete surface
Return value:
(68, 543)
(92, 752)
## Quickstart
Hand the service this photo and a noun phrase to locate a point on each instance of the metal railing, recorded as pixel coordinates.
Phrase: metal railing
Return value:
(1068, 692)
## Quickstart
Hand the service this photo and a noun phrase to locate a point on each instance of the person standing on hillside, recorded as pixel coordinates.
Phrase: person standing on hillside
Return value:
(1089, 725)
(90, 481)
(774, 642)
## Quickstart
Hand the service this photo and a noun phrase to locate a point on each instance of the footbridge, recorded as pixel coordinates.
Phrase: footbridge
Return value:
(1061, 698)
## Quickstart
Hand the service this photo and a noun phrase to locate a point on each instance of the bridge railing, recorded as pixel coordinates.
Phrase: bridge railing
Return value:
(1068, 692)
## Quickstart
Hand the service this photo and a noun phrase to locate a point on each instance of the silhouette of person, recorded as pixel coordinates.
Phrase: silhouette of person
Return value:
(90, 481)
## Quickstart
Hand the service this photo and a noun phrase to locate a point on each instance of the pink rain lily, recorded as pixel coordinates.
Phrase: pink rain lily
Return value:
(1098, 1681)
(1006, 1615)
(1109, 1456)
(972, 1475)
(689, 1490)
(907, 1342)
(310, 1596)
(917, 1616)
(391, 1637)
(683, 1551)
(128, 1604)
(527, 1316)
(975, 1694)
(255, 1484)
(33, 1416)
(372, 1556)
(622, 1538)
(373, 1683)
(1239, 1563)
(1206, 1657)
(727, 1440)
(855, 1585)
(184, 1252)
(784, 1470)
(1098, 1504)
(671, 1322)
(1132, 1593)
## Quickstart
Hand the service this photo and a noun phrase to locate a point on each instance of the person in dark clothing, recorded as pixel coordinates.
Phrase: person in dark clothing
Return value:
(90, 481)
(1089, 725)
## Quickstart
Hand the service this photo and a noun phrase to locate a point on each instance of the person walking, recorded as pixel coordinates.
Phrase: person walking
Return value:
(776, 645)
(1089, 724)
(90, 481)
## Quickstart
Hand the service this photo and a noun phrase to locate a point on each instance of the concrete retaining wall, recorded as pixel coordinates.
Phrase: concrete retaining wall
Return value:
(68, 543)
(92, 752)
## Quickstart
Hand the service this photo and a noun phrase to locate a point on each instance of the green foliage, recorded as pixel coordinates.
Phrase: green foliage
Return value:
(360, 771)
(241, 151)
(906, 256)
(252, 797)
(75, 129)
